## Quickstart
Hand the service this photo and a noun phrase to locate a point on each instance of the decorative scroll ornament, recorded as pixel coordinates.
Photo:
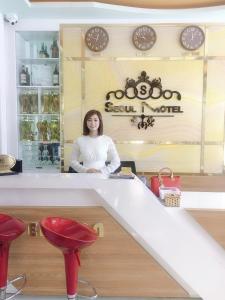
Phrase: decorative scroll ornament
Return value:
(143, 89)
(144, 123)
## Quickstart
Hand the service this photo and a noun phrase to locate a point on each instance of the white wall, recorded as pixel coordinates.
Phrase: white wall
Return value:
(3, 133)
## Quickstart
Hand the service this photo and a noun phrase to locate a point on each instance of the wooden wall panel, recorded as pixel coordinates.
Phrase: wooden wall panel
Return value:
(116, 265)
(199, 183)
(213, 222)
(203, 183)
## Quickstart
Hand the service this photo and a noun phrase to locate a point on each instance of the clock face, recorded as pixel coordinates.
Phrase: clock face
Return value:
(144, 37)
(192, 37)
(96, 38)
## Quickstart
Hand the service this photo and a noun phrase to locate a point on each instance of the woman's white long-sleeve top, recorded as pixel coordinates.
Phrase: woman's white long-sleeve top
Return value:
(94, 152)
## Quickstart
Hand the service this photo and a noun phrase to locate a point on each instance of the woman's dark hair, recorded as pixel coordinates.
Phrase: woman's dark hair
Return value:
(89, 114)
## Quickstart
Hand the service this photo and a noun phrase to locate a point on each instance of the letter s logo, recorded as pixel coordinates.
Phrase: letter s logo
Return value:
(143, 90)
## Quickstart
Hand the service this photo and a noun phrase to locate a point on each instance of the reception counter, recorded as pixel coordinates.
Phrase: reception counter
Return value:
(147, 249)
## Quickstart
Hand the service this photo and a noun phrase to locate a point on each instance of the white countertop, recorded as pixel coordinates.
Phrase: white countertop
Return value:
(92, 183)
(170, 235)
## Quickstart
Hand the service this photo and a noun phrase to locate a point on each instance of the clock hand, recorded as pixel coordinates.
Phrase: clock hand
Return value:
(96, 39)
(142, 37)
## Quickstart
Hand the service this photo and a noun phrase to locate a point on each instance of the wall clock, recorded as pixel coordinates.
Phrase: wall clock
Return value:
(144, 37)
(192, 37)
(96, 38)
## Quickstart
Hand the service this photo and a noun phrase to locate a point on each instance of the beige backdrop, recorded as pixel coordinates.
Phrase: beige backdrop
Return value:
(192, 141)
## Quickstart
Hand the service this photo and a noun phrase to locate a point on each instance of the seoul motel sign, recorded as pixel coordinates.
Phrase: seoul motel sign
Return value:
(110, 107)
(143, 89)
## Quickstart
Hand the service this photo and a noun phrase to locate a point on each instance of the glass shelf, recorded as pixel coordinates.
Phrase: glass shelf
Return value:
(38, 86)
(36, 142)
(35, 114)
(37, 61)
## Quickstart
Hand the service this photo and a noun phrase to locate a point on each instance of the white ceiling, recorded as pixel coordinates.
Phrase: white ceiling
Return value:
(93, 10)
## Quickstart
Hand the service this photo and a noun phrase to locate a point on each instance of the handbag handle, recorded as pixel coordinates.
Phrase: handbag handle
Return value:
(163, 170)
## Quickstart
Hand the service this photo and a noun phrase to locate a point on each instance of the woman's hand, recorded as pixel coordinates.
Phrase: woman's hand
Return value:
(92, 170)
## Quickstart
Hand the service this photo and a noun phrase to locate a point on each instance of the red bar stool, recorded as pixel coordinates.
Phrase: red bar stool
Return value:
(10, 229)
(69, 236)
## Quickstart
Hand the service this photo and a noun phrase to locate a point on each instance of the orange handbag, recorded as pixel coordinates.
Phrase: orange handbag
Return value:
(168, 180)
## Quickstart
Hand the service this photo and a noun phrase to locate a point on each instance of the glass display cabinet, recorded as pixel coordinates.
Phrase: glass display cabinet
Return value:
(38, 100)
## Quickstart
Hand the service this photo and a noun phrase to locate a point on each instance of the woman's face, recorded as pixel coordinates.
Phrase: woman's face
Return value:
(93, 123)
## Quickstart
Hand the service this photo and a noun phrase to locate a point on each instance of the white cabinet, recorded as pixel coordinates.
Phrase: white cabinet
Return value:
(38, 100)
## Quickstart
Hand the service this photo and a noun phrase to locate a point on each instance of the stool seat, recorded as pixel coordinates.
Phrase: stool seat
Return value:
(10, 229)
(66, 233)
(69, 236)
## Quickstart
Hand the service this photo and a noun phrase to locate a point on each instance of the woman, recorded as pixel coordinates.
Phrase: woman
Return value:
(93, 148)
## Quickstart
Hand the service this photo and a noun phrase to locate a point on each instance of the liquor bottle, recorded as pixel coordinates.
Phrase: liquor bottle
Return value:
(55, 102)
(24, 103)
(27, 76)
(46, 55)
(56, 76)
(34, 102)
(46, 102)
(23, 76)
(42, 51)
(55, 49)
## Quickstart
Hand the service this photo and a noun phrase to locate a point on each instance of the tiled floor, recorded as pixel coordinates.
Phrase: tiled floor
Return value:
(21, 297)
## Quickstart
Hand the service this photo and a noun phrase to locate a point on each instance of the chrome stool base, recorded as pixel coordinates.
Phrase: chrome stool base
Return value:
(3, 293)
(78, 297)
(3, 290)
